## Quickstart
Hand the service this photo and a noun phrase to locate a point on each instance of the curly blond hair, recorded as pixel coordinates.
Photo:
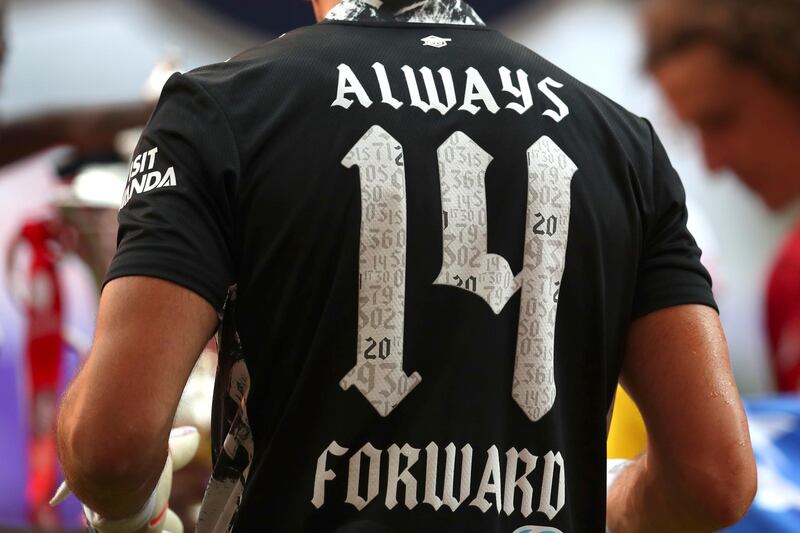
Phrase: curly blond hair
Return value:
(764, 34)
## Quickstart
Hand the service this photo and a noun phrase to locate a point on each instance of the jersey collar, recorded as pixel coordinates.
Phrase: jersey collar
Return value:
(424, 11)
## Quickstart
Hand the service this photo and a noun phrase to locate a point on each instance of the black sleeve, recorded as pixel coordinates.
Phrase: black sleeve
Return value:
(670, 272)
(176, 219)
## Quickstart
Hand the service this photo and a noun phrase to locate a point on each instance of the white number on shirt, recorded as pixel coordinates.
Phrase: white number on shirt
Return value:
(466, 262)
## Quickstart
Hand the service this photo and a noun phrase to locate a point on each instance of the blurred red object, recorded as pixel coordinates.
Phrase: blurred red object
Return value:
(783, 314)
(42, 304)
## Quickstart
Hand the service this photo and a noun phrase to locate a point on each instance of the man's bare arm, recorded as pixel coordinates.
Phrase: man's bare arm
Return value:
(116, 416)
(698, 473)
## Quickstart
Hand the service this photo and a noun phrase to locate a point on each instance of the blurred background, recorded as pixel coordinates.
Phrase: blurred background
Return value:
(91, 70)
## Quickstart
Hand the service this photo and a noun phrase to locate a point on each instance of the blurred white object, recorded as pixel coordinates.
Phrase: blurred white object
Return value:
(702, 229)
(194, 408)
(78, 340)
(96, 186)
(169, 64)
(126, 141)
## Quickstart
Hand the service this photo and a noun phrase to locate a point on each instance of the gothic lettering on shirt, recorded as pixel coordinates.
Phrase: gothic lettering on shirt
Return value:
(444, 91)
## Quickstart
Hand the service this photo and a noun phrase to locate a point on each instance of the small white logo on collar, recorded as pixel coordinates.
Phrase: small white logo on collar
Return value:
(435, 42)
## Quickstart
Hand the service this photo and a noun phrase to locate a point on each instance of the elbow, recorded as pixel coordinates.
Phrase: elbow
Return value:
(96, 456)
(93, 460)
(725, 492)
(737, 499)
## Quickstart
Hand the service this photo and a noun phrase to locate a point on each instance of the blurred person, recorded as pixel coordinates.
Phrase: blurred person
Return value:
(87, 131)
(77, 224)
(363, 191)
(731, 70)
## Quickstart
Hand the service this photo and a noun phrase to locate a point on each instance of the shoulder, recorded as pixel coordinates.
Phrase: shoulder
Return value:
(261, 74)
(631, 133)
(601, 119)
(280, 52)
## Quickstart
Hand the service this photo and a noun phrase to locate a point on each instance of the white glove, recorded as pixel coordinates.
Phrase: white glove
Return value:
(155, 516)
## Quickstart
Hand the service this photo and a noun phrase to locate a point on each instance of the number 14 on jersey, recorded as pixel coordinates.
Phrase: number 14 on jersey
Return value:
(466, 262)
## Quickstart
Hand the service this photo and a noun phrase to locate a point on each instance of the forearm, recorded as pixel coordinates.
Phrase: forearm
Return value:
(641, 500)
(113, 478)
(698, 472)
(114, 424)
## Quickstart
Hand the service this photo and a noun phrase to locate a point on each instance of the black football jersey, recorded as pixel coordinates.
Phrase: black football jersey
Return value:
(426, 244)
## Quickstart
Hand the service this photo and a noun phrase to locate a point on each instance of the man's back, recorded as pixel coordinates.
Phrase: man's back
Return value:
(437, 241)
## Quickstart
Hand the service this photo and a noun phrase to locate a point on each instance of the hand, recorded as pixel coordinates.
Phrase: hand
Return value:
(155, 516)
